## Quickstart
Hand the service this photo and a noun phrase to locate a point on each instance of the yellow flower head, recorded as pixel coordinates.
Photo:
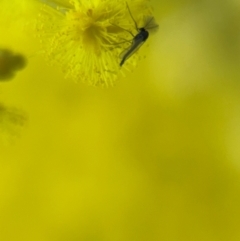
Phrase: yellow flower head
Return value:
(87, 36)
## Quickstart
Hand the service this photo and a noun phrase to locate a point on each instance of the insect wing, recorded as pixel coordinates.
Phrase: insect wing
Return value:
(126, 54)
(150, 24)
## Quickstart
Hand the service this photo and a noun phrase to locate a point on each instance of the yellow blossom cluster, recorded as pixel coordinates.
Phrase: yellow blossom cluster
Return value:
(87, 37)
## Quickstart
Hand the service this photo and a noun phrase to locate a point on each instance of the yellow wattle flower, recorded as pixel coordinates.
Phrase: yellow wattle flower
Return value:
(87, 37)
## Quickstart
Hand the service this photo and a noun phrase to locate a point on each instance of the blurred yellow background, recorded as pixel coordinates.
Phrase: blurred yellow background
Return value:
(156, 157)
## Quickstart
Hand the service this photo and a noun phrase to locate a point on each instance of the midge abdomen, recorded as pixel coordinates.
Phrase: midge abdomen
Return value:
(137, 42)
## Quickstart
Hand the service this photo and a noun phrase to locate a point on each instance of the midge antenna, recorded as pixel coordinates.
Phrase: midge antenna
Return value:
(132, 16)
(135, 23)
